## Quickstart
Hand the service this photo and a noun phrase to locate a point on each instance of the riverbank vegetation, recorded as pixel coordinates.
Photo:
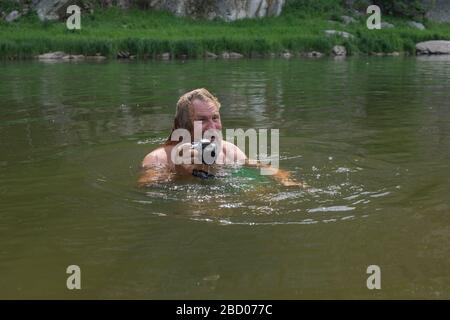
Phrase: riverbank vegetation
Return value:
(149, 34)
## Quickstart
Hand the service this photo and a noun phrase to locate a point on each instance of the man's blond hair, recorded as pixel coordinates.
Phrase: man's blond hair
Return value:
(184, 113)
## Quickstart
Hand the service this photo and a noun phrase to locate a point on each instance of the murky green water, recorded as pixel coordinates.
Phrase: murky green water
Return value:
(370, 136)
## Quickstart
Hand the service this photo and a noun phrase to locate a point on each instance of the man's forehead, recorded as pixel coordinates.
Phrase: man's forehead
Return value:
(204, 107)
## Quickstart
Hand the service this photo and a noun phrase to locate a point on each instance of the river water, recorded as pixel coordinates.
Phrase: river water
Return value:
(370, 136)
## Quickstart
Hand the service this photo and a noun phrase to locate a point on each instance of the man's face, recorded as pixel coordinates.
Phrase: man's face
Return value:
(207, 113)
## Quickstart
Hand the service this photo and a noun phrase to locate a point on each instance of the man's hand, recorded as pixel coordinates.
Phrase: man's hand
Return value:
(185, 154)
(282, 176)
(293, 183)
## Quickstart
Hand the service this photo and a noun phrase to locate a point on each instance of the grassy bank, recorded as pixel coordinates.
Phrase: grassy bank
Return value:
(148, 33)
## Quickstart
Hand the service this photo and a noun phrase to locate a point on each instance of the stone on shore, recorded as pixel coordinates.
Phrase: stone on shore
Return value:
(228, 10)
(73, 57)
(235, 55)
(96, 57)
(343, 34)
(163, 56)
(384, 54)
(123, 55)
(339, 51)
(231, 55)
(437, 10)
(313, 54)
(12, 16)
(387, 25)
(59, 55)
(211, 55)
(416, 25)
(286, 55)
(347, 19)
(52, 55)
(52, 10)
(433, 47)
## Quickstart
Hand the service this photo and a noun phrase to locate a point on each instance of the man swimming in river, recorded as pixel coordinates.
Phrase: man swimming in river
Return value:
(197, 107)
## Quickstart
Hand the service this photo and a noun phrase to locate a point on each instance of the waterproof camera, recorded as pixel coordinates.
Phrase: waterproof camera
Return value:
(208, 150)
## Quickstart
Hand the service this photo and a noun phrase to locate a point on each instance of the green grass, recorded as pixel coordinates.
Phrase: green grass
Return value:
(149, 33)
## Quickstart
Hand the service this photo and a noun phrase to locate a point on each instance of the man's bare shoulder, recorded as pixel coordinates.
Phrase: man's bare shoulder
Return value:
(157, 157)
(232, 149)
(228, 145)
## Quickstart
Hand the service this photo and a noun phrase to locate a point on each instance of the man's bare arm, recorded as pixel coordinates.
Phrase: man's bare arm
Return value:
(282, 176)
(155, 168)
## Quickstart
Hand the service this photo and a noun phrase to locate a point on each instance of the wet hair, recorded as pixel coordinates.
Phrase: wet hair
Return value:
(184, 112)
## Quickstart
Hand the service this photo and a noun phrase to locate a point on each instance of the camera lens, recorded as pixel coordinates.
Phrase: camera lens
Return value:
(208, 150)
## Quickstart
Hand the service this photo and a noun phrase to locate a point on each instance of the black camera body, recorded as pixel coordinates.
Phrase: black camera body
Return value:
(208, 150)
